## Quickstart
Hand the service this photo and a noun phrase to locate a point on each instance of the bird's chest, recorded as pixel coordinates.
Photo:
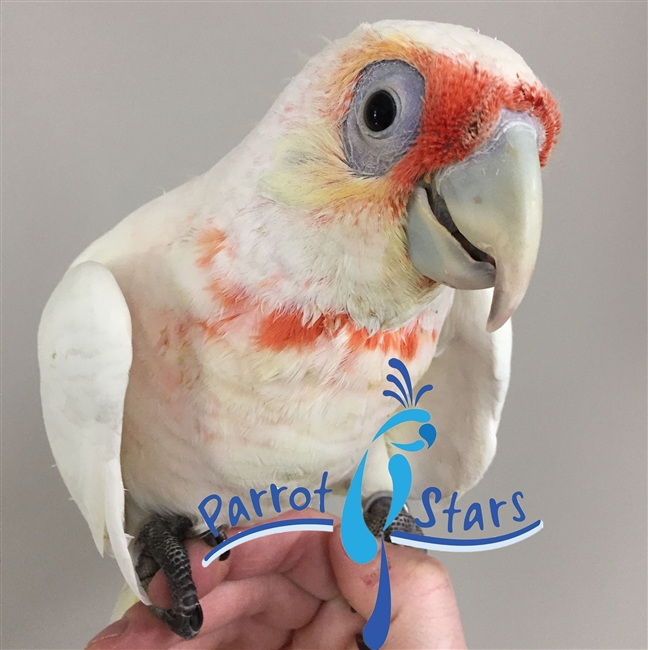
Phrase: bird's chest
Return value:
(257, 402)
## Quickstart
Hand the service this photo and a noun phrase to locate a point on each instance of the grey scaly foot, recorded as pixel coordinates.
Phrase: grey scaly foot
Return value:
(160, 545)
(375, 515)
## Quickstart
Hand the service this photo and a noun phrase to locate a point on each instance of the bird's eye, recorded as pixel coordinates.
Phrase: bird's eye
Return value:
(380, 111)
(384, 116)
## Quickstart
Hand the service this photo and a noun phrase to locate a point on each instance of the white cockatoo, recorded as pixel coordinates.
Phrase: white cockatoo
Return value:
(236, 331)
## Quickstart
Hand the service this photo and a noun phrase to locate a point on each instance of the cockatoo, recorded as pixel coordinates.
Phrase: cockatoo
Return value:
(236, 331)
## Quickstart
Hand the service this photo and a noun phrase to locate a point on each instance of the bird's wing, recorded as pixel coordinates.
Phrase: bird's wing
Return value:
(470, 375)
(85, 353)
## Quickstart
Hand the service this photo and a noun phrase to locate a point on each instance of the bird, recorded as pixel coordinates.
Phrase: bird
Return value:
(236, 331)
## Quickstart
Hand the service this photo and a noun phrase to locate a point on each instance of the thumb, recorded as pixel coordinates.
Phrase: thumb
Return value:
(424, 610)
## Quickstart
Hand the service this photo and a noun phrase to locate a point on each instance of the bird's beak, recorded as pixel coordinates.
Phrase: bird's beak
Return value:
(477, 224)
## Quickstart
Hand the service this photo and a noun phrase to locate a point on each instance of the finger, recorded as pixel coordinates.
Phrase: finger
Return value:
(138, 628)
(255, 635)
(272, 599)
(333, 627)
(424, 609)
(244, 634)
(236, 613)
(301, 556)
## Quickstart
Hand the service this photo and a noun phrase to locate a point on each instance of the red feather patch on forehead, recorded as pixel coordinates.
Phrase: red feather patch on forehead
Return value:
(461, 105)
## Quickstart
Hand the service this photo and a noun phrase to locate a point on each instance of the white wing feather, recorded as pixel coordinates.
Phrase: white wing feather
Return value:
(470, 375)
(85, 353)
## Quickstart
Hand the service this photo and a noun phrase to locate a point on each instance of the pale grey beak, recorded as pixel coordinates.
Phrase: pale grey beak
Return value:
(477, 224)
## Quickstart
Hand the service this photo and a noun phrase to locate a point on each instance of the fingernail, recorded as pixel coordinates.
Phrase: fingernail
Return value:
(113, 630)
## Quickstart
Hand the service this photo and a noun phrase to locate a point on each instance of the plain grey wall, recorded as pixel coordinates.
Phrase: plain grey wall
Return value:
(105, 105)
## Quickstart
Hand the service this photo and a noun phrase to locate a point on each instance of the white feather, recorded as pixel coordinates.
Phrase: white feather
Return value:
(85, 353)
(470, 375)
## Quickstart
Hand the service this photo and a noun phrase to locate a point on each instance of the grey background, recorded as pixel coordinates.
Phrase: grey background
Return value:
(107, 104)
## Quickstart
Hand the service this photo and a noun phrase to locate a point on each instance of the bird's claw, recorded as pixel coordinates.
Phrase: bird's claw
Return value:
(375, 515)
(214, 540)
(186, 624)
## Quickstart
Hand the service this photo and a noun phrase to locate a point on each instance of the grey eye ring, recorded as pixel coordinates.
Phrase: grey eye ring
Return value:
(383, 120)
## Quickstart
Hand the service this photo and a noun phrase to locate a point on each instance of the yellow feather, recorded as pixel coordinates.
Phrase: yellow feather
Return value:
(309, 173)
(125, 601)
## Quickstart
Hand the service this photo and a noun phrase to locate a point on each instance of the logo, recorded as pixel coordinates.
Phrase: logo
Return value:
(359, 543)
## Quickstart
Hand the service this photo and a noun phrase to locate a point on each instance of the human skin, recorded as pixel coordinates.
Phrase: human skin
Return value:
(298, 591)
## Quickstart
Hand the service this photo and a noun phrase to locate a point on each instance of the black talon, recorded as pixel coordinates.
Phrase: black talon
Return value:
(215, 540)
(196, 620)
(160, 545)
(185, 625)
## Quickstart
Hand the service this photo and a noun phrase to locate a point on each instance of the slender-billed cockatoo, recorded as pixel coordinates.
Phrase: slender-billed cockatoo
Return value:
(236, 332)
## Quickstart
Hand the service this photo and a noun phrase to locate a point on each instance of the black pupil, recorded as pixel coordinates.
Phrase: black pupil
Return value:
(380, 111)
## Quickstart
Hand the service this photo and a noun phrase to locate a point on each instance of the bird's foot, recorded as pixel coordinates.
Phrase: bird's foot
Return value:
(375, 515)
(160, 544)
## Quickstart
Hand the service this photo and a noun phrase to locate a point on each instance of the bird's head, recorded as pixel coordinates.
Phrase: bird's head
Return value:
(433, 131)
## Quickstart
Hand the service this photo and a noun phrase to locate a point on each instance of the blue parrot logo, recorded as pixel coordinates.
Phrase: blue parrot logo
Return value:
(359, 543)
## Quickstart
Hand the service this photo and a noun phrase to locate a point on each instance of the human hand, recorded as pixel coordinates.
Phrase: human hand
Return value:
(295, 591)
